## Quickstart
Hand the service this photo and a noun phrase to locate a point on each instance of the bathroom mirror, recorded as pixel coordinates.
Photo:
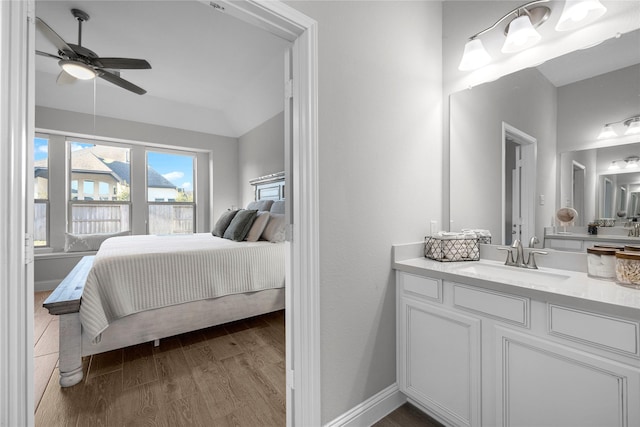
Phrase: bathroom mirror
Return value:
(560, 108)
(610, 182)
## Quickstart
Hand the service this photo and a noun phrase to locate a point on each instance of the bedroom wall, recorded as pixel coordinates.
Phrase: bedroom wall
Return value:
(260, 152)
(380, 121)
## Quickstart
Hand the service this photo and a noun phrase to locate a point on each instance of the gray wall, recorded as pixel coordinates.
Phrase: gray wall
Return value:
(260, 152)
(380, 122)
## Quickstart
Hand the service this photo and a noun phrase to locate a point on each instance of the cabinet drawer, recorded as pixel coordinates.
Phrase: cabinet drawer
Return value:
(508, 308)
(609, 333)
(422, 286)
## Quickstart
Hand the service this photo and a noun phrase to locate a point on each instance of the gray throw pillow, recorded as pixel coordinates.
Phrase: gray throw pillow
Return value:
(223, 223)
(240, 225)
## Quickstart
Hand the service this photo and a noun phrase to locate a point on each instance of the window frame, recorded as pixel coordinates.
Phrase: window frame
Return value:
(59, 181)
(69, 140)
(46, 201)
(193, 204)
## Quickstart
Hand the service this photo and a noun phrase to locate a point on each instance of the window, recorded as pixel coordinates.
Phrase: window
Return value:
(94, 170)
(84, 185)
(41, 191)
(170, 189)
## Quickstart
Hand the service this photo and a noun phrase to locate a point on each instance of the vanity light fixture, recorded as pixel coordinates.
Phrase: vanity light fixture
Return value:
(632, 123)
(521, 31)
(630, 162)
(578, 13)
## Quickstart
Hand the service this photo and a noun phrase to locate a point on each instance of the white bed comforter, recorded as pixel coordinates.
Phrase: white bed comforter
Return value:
(136, 273)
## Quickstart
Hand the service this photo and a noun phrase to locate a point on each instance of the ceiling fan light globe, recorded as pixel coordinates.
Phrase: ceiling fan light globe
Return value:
(77, 69)
(521, 35)
(578, 13)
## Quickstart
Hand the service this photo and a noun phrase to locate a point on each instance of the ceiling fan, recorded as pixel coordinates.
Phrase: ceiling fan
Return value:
(78, 62)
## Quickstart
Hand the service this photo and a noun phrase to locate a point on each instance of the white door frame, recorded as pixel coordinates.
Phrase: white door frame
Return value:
(17, 82)
(528, 147)
(577, 198)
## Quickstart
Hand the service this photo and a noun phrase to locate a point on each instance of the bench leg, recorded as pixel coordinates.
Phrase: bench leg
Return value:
(70, 350)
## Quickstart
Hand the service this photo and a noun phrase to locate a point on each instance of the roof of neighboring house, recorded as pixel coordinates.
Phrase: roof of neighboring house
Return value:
(105, 160)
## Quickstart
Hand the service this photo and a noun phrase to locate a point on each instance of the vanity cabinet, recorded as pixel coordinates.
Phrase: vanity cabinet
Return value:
(474, 356)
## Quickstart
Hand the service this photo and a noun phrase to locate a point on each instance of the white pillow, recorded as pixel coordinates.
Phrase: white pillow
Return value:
(275, 229)
(277, 207)
(258, 227)
(87, 242)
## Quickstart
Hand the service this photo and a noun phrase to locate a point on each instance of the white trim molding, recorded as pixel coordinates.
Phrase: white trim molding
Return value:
(371, 410)
(17, 75)
(301, 178)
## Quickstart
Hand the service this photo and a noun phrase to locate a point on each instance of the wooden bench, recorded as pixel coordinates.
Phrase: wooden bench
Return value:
(64, 301)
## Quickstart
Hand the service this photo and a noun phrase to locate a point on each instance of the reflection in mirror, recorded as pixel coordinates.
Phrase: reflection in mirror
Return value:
(622, 202)
(607, 197)
(561, 114)
(615, 188)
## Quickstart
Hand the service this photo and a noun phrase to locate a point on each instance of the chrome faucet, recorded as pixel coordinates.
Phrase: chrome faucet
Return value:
(519, 261)
(517, 245)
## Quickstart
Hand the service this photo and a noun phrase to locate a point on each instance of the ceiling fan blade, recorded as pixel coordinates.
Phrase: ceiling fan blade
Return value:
(65, 78)
(38, 52)
(119, 81)
(122, 63)
(54, 38)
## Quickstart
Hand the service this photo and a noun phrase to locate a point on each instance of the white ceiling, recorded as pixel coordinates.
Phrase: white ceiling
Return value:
(210, 72)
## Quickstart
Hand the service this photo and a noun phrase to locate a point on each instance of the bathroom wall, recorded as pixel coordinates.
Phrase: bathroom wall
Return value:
(380, 139)
(585, 106)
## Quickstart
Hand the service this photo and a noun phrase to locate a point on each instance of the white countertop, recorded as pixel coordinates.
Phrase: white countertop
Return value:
(553, 284)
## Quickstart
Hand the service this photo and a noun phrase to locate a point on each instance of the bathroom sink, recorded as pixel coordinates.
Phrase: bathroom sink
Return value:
(504, 272)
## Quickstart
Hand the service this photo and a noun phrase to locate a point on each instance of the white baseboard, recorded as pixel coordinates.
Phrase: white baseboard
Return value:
(45, 285)
(371, 410)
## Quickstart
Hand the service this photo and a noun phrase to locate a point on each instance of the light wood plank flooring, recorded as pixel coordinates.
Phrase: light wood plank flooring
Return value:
(230, 375)
(407, 416)
(227, 375)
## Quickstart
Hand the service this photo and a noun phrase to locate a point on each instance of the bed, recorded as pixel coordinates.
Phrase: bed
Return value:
(138, 289)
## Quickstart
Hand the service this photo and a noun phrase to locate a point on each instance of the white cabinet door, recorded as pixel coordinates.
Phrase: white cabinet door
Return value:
(439, 362)
(546, 384)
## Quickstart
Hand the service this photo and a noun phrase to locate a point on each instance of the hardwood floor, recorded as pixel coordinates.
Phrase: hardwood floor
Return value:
(407, 416)
(230, 375)
(227, 375)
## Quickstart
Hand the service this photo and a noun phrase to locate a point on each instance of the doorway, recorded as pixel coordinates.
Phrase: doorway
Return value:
(302, 177)
(518, 185)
